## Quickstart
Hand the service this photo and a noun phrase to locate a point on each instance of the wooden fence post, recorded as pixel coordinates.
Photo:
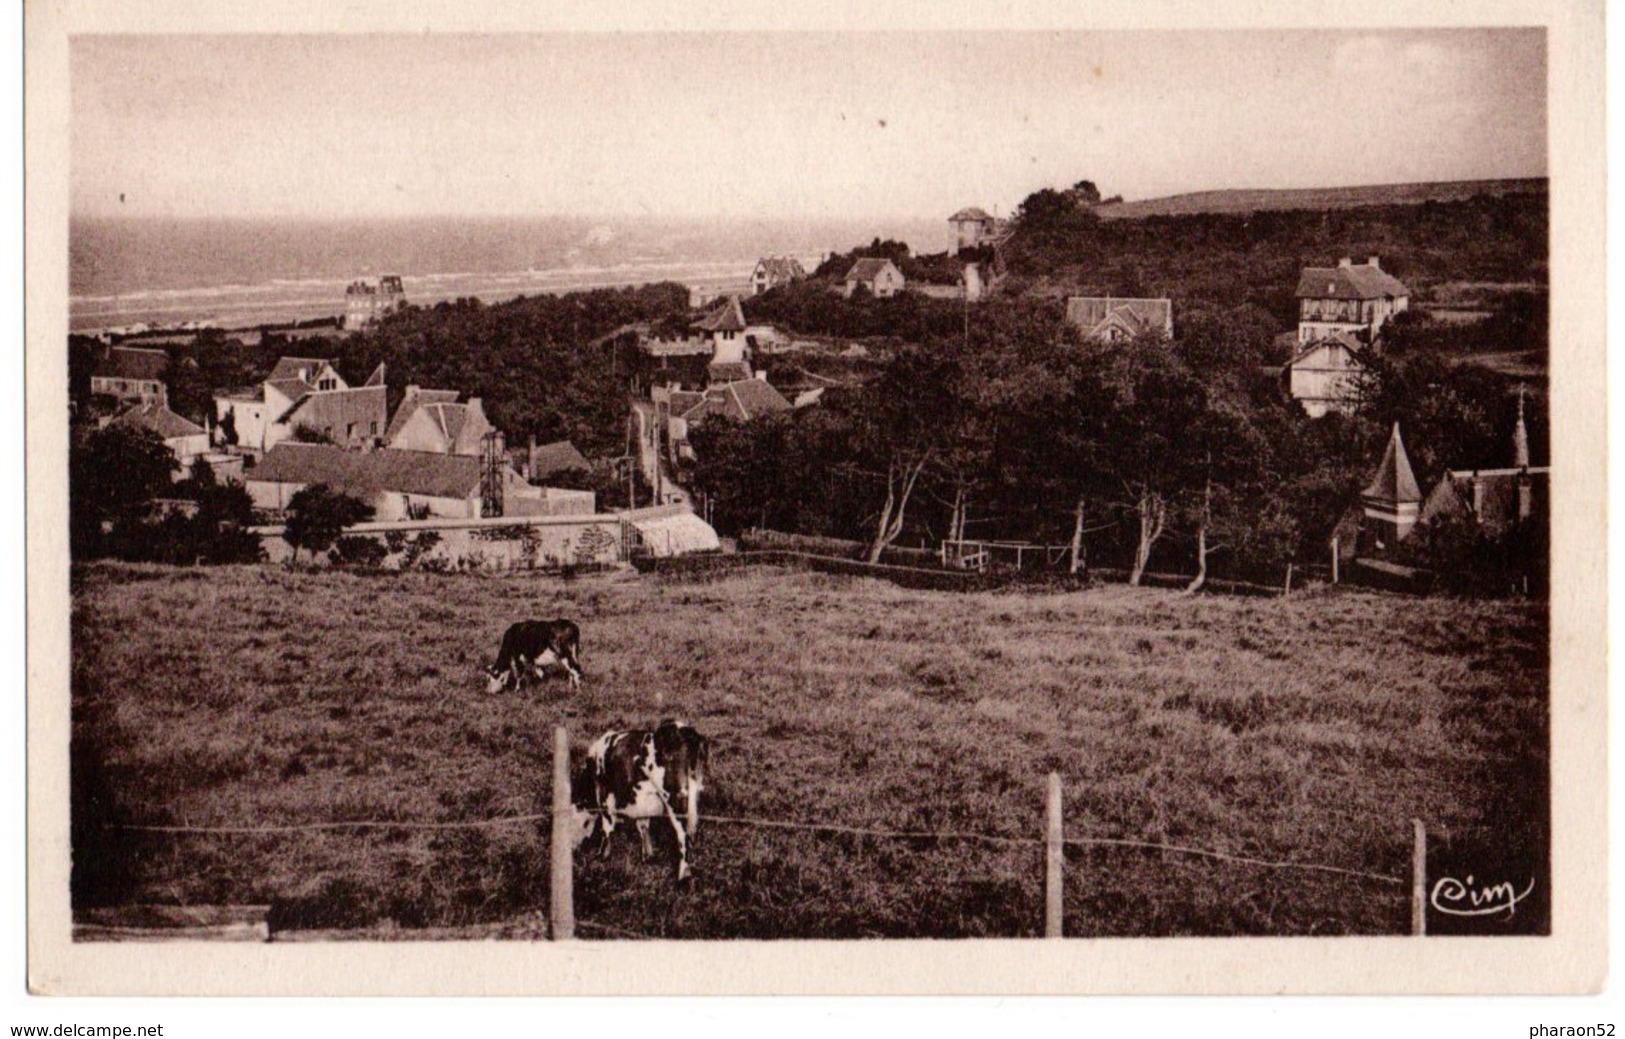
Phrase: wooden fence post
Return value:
(1335, 554)
(1288, 589)
(562, 889)
(1052, 859)
(1419, 879)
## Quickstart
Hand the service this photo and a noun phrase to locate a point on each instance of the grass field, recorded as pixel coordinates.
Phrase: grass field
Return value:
(1309, 729)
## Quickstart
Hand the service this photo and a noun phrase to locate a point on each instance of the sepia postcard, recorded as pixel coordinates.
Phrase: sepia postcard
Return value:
(728, 502)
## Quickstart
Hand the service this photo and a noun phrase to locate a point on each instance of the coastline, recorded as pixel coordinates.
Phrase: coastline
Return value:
(239, 307)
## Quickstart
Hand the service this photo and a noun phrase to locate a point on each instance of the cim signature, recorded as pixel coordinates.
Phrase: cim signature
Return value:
(1462, 898)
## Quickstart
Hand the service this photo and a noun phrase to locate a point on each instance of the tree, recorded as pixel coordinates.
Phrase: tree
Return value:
(112, 474)
(317, 515)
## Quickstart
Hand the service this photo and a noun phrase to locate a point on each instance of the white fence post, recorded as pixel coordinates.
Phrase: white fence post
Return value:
(1419, 879)
(562, 889)
(1053, 859)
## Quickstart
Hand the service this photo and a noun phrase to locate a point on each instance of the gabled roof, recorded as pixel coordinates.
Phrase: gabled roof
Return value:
(1356, 281)
(1497, 496)
(970, 213)
(301, 368)
(363, 404)
(377, 376)
(781, 268)
(745, 399)
(1339, 344)
(293, 389)
(160, 420)
(129, 362)
(364, 474)
(1094, 314)
(415, 399)
(558, 457)
(729, 317)
(1394, 481)
(869, 268)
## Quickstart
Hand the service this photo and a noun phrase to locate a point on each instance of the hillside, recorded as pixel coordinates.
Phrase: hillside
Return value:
(1242, 201)
(1309, 730)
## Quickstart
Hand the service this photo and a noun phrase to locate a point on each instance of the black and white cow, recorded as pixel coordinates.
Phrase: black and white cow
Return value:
(640, 774)
(529, 646)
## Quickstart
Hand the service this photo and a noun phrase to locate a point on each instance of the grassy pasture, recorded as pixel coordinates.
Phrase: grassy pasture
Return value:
(1309, 729)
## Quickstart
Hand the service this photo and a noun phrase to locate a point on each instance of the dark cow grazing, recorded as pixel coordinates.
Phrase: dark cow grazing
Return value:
(641, 775)
(529, 646)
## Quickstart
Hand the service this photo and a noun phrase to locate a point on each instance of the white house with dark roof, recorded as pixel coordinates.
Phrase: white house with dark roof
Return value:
(433, 420)
(1113, 319)
(879, 276)
(1355, 298)
(972, 227)
(773, 271)
(309, 392)
(186, 440)
(131, 376)
(1325, 375)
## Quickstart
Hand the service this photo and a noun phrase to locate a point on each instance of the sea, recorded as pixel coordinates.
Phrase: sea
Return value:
(239, 273)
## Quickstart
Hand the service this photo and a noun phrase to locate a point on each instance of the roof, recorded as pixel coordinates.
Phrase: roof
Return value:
(1394, 481)
(970, 213)
(1497, 496)
(869, 268)
(377, 376)
(335, 408)
(301, 368)
(423, 473)
(727, 371)
(128, 362)
(1342, 342)
(160, 420)
(1356, 281)
(729, 317)
(745, 399)
(293, 389)
(781, 268)
(557, 457)
(415, 398)
(1092, 314)
(676, 535)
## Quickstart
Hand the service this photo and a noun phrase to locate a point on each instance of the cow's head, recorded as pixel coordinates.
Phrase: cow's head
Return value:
(496, 678)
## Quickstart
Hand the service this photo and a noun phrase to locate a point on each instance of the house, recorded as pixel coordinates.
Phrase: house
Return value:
(131, 375)
(1495, 500)
(773, 271)
(1357, 299)
(972, 228)
(880, 277)
(186, 440)
(397, 484)
(366, 303)
(1325, 375)
(307, 392)
(678, 411)
(433, 420)
(1113, 319)
(1392, 501)
(730, 354)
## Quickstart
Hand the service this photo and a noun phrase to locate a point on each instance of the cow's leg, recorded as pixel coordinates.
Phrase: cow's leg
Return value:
(683, 872)
(643, 832)
(693, 820)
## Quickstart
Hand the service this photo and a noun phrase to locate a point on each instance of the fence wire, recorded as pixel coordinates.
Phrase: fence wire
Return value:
(781, 824)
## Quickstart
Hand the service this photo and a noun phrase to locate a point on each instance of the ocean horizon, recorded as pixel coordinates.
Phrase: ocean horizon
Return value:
(236, 273)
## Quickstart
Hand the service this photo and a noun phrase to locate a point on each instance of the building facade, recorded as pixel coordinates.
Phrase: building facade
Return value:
(1355, 299)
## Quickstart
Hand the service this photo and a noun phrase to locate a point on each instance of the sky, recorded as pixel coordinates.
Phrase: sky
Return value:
(793, 124)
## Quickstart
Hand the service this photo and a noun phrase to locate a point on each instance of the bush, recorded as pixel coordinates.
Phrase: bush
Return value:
(358, 551)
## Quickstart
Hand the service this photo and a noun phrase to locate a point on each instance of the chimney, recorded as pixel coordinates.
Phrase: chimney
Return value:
(761, 374)
(1372, 262)
(411, 391)
(1345, 262)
